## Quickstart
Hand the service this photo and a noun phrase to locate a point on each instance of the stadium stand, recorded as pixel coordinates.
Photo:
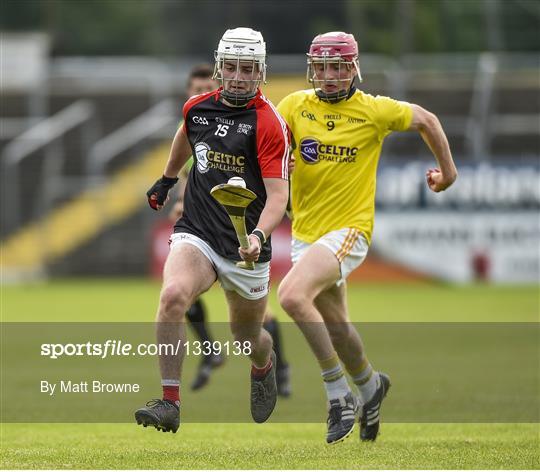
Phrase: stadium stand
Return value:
(99, 125)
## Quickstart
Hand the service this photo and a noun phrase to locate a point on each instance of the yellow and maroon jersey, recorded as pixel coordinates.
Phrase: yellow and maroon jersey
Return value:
(337, 149)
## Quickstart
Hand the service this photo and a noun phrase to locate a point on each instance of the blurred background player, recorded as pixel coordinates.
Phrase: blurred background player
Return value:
(238, 121)
(333, 202)
(201, 80)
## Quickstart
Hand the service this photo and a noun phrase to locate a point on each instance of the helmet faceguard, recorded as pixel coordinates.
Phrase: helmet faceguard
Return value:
(332, 59)
(240, 65)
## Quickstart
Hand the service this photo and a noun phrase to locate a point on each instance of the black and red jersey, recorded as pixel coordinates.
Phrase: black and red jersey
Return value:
(251, 142)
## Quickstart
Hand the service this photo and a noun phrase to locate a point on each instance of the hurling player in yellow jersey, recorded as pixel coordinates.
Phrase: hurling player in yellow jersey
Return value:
(339, 131)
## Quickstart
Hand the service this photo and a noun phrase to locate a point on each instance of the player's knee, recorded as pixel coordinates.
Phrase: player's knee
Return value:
(292, 300)
(174, 302)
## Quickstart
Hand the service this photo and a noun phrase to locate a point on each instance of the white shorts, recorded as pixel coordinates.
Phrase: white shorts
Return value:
(348, 245)
(250, 284)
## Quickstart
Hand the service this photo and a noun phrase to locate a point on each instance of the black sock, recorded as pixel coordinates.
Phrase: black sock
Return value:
(272, 326)
(196, 316)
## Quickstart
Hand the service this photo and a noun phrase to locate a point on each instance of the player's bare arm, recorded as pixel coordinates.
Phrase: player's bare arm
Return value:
(158, 195)
(429, 127)
(179, 155)
(277, 195)
(178, 208)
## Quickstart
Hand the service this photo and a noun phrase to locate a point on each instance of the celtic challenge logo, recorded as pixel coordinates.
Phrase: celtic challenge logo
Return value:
(313, 152)
(309, 150)
(201, 153)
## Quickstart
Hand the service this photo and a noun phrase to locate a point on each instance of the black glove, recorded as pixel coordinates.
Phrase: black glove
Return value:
(159, 192)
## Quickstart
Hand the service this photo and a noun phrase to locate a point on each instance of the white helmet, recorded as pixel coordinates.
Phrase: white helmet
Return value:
(240, 45)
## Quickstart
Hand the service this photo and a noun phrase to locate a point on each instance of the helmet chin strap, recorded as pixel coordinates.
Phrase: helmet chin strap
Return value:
(336, 97)
(237, 100)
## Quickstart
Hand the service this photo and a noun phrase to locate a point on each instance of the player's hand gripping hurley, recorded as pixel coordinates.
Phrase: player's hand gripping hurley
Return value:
(235, 200)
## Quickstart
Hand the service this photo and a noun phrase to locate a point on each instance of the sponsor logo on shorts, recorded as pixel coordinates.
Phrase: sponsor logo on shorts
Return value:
(179, 237)
(259, 289)
(313, 151)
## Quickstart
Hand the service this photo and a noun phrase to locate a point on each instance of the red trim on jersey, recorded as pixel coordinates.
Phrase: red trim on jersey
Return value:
(255, 99)
(273, 139)
(198, 99)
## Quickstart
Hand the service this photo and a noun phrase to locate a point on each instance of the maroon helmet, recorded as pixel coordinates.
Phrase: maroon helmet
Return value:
(340, 49)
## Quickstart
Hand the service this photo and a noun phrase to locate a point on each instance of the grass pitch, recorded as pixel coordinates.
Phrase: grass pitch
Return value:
(135, 300)
(269, 446)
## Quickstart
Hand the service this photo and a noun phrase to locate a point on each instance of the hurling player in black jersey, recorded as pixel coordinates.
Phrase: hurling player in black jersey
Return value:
(201, 80)
(233, 131)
